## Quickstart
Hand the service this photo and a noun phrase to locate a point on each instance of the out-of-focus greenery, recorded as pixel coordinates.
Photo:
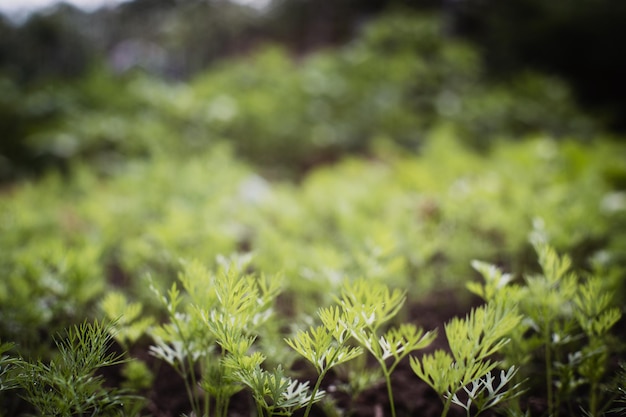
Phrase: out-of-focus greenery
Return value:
(391, 159)
(396, 81)
(574, 40)
(410, 221)
(152, 172)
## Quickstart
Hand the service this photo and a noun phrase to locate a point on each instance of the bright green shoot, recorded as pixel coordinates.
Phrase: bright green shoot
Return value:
(366, 307)
(276, 394)
(213, 323)
(319, 346)
(130, 322)
(473, 340)
(70, 384)
(567, 322)
(325, 346)
(369, 304)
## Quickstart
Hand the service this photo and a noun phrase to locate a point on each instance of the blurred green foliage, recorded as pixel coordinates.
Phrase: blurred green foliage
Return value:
(393, 158)
(266, 154)
(573, 40)
(409, 221)
(396, 81)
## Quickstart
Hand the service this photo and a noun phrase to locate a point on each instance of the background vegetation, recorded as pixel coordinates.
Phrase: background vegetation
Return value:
(328, 143)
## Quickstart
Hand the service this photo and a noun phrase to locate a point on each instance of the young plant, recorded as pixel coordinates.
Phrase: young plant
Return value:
(129, 320)
(366, 307)
(596, 317)
(212, 325)
(566, 324)
(70, 385)
(274, 393)
(325, 346)
(220, 379)
(181, 344)
(468, 367)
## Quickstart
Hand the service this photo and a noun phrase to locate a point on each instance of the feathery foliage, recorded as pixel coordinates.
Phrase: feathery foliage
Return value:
(566, 326)
(70, 384)
(473, 341)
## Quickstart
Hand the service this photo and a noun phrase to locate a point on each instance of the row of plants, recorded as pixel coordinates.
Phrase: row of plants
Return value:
(399, 220)
(551, 331)
(395, 81)
(413, 222)
(176, 227)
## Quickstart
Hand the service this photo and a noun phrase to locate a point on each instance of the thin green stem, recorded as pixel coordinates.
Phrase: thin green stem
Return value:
(219, 406)
(548, 364)
(593, 399)
(195, 402)
(226, 405)
(182, 371)
(316, 388)
(387, 374)
(259, 409)
(446, 406)
(392, 404)
(224, 408)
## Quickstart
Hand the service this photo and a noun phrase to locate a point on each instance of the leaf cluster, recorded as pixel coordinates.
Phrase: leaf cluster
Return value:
(473, 341)
(276, 394)
(71, 384)
(361, 311)
(566, 327)
(212, 331)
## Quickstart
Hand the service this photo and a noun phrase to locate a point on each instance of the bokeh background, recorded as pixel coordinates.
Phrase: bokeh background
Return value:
(63, 63)
(326, 140)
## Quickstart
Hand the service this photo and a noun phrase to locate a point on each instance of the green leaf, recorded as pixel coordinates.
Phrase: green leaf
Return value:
(319, 347)
(369, 304)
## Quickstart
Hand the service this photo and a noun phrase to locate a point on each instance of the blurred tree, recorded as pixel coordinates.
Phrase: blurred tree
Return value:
(578, 40)
(181, 38)
(190, 35)
(46, 46)
(308, 24)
